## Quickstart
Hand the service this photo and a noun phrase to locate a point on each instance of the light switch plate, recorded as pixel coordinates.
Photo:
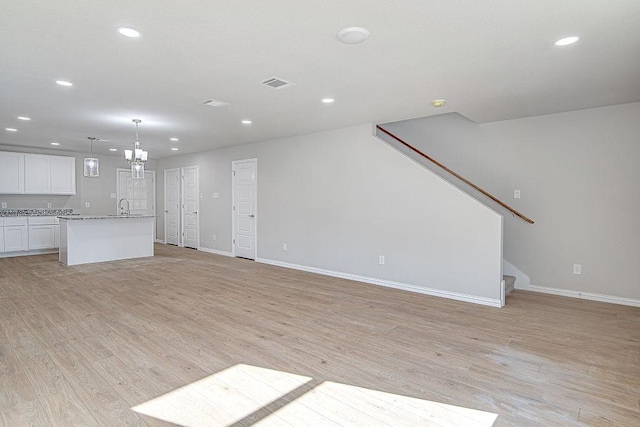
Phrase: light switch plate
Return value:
(516, 194)
(216, 195)
(87, 204)
(577, 268)
(112, 195)
(4, 205)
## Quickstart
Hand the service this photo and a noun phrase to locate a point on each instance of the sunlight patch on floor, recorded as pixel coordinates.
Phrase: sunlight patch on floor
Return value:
(222, 398)
(242, 391)
(332, 403)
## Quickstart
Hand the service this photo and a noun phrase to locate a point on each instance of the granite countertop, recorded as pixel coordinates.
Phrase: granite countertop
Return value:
(35, 212)
(83, 217)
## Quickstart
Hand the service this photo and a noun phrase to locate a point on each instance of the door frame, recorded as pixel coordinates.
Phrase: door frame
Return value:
(155, 225)
(182, 205)
(164, 196)
(233, 212)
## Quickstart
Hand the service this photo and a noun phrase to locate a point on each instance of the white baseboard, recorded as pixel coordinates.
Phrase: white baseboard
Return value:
(159, 241)
(586, 295)
(215, 251)
(28, 253)
(387, 283)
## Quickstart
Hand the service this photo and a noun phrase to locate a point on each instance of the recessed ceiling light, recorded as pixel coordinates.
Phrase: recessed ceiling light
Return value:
(438, 103)
(567, 41)
(353, 35)
(328, 100)
(174, 149)
(23, 118)
(11, 129)
(174, 139)
(246, 122)
(128, 32)
(55, 143)
(64, 83)
(113, 149)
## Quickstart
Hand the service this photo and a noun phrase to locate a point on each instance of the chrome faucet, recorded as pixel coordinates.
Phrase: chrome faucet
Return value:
(122, 211)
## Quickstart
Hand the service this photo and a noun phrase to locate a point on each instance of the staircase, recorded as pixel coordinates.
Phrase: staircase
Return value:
(509, 284)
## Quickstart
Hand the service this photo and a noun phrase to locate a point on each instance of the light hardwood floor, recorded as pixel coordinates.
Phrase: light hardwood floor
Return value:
(83, 345)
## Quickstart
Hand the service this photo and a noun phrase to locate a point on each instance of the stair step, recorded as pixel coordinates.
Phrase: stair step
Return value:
(509, 284)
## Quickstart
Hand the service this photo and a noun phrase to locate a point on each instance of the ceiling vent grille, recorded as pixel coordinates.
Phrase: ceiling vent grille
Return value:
(277, 83)
(215, 103)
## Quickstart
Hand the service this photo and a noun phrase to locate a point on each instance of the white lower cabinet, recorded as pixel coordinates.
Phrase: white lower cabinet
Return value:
(20, 234)
(42, 232)
(15, 234)
(41, 237)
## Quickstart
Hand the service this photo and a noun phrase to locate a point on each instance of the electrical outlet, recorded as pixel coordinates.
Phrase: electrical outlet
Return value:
(4, 205)
(216, 195)
(87, 204)
(577, 268)
(48, 205)
(214, 237)
(381, 260)
(516, 194)
(284, 247)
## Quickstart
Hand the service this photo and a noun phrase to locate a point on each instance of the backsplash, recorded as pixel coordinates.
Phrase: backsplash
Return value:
(35, 212)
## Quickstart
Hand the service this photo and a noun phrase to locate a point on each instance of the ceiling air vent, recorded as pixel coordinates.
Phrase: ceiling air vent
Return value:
(277, 83)
(214, 103)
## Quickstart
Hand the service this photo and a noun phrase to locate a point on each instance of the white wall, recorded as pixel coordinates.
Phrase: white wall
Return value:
(579, 177)
(340, 199)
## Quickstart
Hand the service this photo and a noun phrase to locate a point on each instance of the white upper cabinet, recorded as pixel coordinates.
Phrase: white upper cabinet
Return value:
(63, 175)
(37, 177)
(22, 173)
(11, 173)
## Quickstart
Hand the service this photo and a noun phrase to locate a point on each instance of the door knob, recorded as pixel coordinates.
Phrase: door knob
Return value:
(251, 216)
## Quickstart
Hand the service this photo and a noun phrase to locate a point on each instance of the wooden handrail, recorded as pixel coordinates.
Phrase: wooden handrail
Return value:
(461, 178)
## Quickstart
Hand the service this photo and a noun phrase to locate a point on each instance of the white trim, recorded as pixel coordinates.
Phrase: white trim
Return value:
(387, 283)
(159, 241)
(215, 251)
(182, 205)
(165, 210)
(586, 295)
(27, 253)
(255, 209)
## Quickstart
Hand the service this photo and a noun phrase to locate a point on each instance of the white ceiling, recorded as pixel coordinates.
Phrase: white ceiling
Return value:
(491, 60)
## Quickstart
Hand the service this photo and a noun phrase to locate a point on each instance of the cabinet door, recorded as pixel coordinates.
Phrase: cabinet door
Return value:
(11, 173)
(37, 174)
(15, 238)
(1, 239)
(41, 237)
(63, 175)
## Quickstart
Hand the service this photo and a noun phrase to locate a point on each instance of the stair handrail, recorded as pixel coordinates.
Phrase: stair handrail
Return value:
(461, 178)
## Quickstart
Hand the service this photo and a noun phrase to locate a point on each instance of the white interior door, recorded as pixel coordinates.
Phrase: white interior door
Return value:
(139, 192)
(244, 208)
(190, 207)
(172, 206)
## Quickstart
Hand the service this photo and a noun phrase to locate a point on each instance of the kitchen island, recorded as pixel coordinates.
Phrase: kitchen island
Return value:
(93, 238)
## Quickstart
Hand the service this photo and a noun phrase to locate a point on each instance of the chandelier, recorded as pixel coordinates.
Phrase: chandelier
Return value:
(92, 164)
(136, 157)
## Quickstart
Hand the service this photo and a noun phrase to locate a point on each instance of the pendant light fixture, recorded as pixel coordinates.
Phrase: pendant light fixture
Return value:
(92, 164)
(136, 157)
